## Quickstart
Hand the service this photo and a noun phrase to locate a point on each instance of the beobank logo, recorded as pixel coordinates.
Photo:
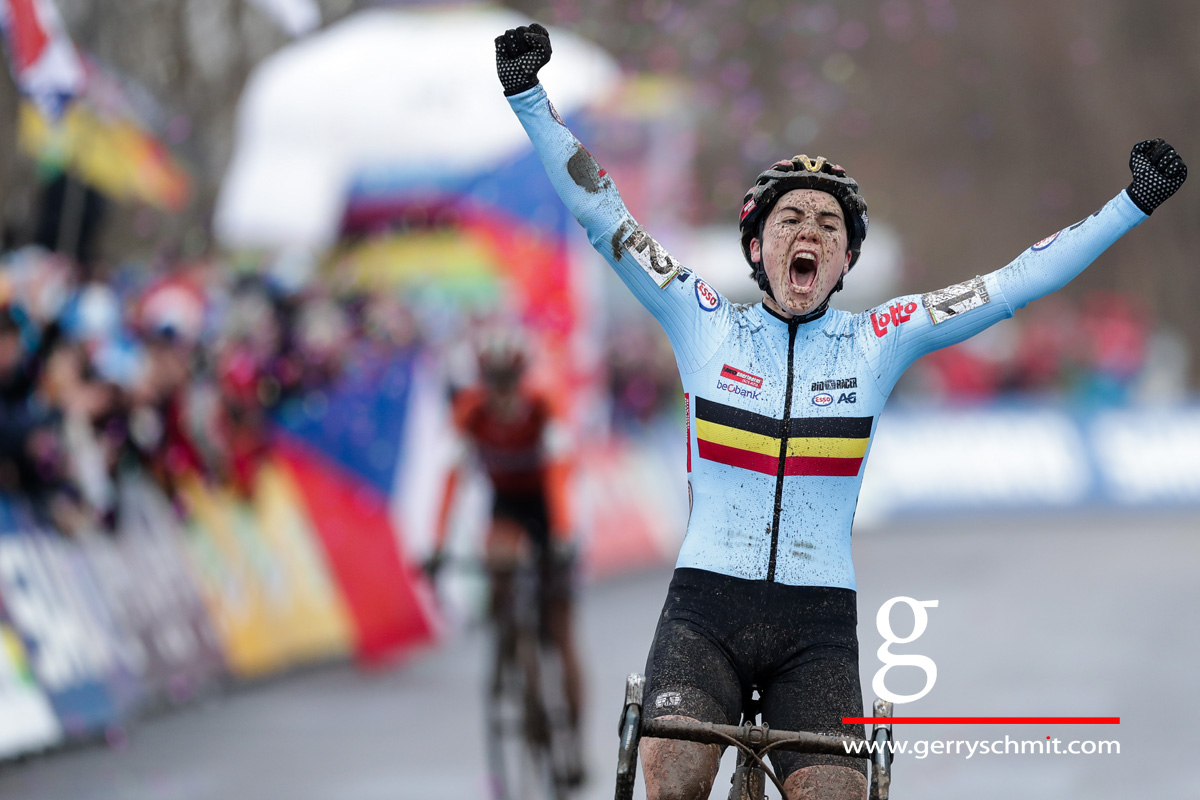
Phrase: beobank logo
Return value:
(740, 391)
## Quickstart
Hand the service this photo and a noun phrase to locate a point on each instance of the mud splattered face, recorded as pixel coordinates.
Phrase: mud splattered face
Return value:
(804, 249)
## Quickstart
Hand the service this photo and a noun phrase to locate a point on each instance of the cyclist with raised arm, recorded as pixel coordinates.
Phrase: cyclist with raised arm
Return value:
(782, 398)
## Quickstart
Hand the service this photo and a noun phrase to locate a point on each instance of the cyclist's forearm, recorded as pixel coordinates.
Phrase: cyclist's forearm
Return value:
(642, 264)
(958, 312)
(1050, 264)
(588, 193)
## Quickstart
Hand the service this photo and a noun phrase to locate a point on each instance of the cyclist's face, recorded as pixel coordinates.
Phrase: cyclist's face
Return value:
(803, 249)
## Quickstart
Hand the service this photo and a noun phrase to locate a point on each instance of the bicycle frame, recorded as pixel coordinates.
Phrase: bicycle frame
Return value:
(753, 743)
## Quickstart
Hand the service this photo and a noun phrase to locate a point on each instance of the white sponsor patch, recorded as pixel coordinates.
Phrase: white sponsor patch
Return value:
(650, 255)
(668, 700)
(954, 300)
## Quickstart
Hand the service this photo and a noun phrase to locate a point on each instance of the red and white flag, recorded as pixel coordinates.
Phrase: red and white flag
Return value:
(44, 62)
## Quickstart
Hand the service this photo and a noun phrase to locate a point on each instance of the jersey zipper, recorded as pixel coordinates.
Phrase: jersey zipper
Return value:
(793, 326)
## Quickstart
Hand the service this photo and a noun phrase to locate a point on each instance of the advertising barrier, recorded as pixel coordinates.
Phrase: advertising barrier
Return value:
(97, 627)
(27, 720)
(1026, 457)
(311, 565)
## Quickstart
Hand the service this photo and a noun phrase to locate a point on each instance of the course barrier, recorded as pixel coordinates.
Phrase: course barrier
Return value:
(1031, 457)
(97, 628)
(311, 564)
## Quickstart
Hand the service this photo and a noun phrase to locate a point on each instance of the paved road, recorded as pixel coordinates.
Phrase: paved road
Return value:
(1038, 616)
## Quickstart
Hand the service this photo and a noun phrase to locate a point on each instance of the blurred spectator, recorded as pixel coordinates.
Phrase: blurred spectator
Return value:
(643, 380)
(1093, 353)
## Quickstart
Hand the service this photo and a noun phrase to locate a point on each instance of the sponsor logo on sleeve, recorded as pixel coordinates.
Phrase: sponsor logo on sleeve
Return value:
(741, 376)
(1044, 243)
(653, 259)
(897, 314)
(954, 300)
(707, 296)
(822, 399)
(554, 113)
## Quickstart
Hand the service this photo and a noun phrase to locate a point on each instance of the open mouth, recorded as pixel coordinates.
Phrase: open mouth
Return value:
(802, 274)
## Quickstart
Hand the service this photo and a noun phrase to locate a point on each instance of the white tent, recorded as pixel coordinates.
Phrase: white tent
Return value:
(383, 88)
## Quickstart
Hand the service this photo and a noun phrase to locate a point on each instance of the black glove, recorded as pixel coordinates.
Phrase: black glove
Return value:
(1158, 172)
(520, 53)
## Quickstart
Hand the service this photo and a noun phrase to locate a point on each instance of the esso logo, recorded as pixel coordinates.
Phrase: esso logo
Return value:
(706, 296)
(822, 399)
(1044, 243)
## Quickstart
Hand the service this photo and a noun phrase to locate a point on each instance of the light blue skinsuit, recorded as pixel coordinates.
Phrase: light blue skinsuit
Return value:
(780, 415)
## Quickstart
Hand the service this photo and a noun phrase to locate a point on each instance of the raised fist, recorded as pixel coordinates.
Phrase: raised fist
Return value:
(520, 53)
(1158, 172)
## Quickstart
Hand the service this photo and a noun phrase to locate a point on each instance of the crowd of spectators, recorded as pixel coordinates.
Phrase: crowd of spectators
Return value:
(1099, 350)
(174, 369)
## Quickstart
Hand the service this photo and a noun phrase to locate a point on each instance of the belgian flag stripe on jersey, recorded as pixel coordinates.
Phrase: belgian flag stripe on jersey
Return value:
(828, 446)
(824, 447)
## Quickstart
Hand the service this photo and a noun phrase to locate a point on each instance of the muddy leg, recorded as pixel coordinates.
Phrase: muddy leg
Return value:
(676, 770)
(826, 782)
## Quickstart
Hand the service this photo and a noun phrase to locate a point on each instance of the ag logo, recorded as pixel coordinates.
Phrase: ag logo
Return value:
(706, 296)
(848, 397)
(822, 399)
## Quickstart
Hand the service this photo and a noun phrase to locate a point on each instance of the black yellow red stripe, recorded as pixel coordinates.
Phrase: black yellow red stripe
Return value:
(817, 446)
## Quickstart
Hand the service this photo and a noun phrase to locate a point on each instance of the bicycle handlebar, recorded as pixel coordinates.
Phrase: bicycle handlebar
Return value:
(755, 737)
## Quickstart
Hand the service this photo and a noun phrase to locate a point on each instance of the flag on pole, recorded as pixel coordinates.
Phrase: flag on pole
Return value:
(44, 63)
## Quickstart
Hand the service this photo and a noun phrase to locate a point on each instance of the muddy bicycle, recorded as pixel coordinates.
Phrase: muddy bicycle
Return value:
(532, 751)
(753, 742)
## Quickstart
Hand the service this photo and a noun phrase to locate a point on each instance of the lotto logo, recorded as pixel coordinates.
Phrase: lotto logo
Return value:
(895, 315)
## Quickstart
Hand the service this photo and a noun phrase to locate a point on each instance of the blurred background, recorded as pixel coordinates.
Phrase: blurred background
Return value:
(249, 248)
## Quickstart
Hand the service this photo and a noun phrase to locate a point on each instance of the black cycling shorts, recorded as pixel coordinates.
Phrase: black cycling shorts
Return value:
(526, 510)
(721, 637)
(529, 511)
